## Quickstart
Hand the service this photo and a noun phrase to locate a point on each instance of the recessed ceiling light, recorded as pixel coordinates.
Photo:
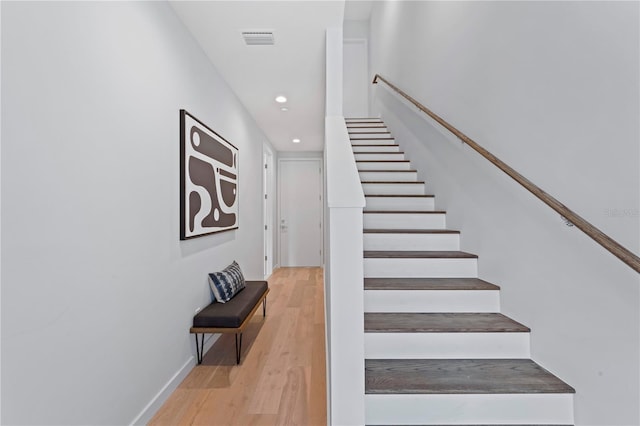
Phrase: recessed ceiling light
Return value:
(296, 140)
(281, 99)
(284, 109)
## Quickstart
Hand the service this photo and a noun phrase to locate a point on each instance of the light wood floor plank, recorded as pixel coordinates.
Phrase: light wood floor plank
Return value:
(282, 376)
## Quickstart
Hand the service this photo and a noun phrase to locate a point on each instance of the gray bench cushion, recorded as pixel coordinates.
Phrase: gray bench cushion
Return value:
(235, 311)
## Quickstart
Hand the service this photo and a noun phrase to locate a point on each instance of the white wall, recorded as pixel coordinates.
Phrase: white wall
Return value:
(352, 28)
(355, 74)
(98, 293)
(552, 88)
(355, 68)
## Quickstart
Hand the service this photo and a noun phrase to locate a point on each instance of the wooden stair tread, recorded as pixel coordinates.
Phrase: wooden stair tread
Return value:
(441, 323)
(410, 231)
(413, 182)
(390, 171)
(368, 139)
(374, 146)
(379, 152)
(459, 376)
(398, 195)
(376, 254)
(404, 211)
(369, 133)
(380, 161)
(428, 284)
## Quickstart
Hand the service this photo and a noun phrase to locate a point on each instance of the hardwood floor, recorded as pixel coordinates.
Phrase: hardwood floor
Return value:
(282, 376)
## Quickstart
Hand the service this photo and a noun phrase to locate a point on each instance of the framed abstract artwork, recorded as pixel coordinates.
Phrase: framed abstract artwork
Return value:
(208, 180)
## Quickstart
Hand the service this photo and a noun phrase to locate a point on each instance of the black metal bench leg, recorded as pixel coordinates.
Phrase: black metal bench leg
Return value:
(199, 348)
(264, 307)
(238, 348)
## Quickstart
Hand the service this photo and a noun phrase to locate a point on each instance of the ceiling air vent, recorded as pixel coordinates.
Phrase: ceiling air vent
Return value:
(258, 38)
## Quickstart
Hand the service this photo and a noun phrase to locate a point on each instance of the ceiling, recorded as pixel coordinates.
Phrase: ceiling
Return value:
(294, 66)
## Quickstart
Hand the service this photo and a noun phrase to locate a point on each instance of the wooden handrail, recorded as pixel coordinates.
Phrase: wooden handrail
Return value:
(597, 235)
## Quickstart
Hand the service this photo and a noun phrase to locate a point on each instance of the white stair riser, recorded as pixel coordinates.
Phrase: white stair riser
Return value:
(368, 130)
(358, 142)
(397, 203)
(393, 188)
(390, 176)
(417, 268)
(364, 120)
(383, 165)
(432, 301)
(376, 127)
(446, 345)
(385, 156)
(465, 409)
(404, 221)
(370, 135)
(410, 242)
(377, 148)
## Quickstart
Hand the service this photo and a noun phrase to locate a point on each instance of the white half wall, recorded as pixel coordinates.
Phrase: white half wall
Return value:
(0, 220)
(551, 88)
(98, 293)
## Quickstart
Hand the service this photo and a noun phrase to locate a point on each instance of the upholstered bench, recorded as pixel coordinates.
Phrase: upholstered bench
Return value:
(230, 317)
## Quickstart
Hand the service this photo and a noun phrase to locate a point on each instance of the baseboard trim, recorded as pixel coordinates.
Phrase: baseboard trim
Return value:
(161, 397)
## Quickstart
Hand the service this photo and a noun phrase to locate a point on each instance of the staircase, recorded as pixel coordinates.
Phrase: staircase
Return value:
(437, 349)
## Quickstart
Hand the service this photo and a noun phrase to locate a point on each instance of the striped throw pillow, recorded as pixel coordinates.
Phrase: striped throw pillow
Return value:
(226, 283)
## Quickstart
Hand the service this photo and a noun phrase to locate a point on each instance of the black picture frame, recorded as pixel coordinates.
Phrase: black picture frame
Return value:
(209, 190)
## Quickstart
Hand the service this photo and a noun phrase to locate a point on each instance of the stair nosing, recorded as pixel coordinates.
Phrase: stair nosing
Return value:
(369, 139)
(387, 171)
(441, 322)
(390, 144)
(380, 161)
(404, 212)
(428, 284)
(395, 182)
(380, 152)
(418, 254)
(401, 195)
(410, 231)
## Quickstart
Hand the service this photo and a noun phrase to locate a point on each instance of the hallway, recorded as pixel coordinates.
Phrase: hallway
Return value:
(281, 378)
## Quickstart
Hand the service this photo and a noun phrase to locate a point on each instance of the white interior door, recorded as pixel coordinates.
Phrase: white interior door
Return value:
(355, 92)
(300, 190)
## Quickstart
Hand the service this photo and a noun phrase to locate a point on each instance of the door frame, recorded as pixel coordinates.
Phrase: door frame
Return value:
(320, 163)
(267, 210)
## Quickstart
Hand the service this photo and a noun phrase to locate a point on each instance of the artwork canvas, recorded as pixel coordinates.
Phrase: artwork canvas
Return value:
(208, 180)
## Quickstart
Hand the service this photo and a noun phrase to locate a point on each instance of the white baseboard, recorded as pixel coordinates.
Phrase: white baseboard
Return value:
(161, 397)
